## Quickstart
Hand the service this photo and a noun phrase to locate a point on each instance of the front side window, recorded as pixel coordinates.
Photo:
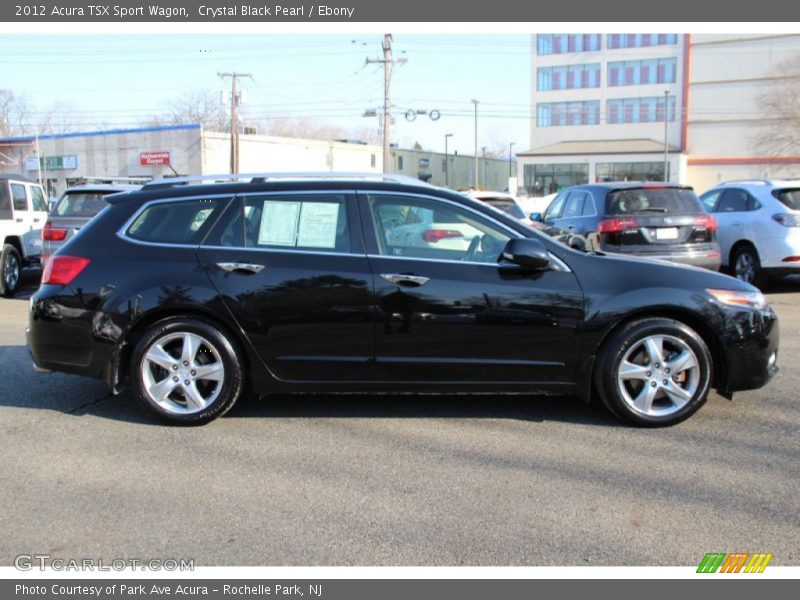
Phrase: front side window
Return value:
(19, 197)
(709, 200)
(310, 222)
(554, 209)
(5, 202)
(184, 222)
(426, 228)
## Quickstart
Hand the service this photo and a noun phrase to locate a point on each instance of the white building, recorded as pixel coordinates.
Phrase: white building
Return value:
(599, 104)
(155, 152)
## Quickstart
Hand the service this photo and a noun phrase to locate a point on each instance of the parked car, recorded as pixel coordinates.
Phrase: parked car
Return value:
(651, 220)
(505, 203)
(758, 227)
(76, 207)
(23, 212)
(189, 294)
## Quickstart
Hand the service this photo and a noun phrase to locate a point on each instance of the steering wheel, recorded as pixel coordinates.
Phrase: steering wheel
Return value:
(473, 248)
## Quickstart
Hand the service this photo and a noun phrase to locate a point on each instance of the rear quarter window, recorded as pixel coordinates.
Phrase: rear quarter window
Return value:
(180, 222)
(790, 198)
(5, 202)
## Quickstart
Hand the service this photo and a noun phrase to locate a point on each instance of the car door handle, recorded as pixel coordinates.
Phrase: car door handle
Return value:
(19, 220)
(36, 220)
(405, 279)
(736, 223)
(240, 267)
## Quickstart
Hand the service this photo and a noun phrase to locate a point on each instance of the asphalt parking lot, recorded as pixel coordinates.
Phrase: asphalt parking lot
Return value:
(398, 480)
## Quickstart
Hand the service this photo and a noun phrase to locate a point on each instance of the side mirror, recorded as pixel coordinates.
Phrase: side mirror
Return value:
(537, 217)
(527, 252)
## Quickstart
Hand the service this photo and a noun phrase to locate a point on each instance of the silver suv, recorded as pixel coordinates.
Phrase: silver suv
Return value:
(74, 209)
(23, 212)
(758, 227)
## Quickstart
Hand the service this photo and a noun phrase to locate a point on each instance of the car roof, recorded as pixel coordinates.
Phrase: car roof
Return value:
(631, 185)
(14, 177)
(766, 184)
(489, 195)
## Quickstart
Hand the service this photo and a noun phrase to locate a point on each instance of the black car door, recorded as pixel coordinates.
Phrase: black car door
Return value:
(292, 271)
(448, 312)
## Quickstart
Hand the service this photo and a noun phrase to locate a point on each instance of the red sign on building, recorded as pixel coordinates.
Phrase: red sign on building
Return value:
(148, 159)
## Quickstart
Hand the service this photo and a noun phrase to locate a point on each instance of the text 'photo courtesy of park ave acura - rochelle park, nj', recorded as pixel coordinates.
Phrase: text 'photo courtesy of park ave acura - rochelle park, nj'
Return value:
(383, 298)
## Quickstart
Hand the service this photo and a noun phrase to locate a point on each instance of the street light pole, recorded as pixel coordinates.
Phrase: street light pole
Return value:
(446, 161)
(475, 102)
(666, 121)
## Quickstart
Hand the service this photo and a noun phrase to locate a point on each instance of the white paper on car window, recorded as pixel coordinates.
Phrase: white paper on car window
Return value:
(318, 222)
(279, 223)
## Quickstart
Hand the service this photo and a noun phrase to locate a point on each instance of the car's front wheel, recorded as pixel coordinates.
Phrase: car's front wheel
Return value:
(10, 269)
(654, 372)
(185, 370)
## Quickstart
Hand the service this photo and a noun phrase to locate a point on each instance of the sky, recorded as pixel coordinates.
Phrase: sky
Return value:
(123, 80)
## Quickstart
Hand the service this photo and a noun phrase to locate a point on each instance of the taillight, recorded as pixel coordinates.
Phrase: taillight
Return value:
(61, 270)
(787, 219)
(706, 221)
(434, 235)
(53, 234)
(617, 225)
(791, 259)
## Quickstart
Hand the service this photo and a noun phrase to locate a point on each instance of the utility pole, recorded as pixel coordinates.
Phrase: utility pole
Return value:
(388, 63)
(446, 161)
(234, 117)
(510, 159)
(483, 153)
(666, 121)
(475, 102)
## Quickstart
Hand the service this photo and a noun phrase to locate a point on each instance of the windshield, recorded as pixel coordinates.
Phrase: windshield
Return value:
(81, 204)
(653, 200)
(790, 198)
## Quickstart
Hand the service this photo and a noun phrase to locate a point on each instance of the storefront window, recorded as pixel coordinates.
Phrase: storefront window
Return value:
(631, 171)
(540, 180)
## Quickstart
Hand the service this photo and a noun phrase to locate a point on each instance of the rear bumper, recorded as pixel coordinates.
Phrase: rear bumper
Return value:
(707, 258)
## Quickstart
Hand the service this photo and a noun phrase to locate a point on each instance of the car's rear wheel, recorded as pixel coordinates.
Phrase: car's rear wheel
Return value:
(185, 370)
(654, 372)
(746, 266)
(10, 270)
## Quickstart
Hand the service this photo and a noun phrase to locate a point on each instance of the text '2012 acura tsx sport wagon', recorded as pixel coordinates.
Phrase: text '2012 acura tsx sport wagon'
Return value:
(189, 293)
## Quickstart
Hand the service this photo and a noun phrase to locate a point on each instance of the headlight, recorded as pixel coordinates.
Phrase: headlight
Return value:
(737, 298)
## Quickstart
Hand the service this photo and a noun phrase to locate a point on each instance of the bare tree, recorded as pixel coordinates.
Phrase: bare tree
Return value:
(203, 107)
(312, 129)
(780, 104)
(15, 114)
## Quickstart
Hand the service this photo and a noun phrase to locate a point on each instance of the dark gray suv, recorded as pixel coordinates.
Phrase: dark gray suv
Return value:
(652, 220)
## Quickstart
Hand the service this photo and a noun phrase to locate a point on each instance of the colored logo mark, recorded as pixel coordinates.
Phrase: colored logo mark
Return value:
(735, 562)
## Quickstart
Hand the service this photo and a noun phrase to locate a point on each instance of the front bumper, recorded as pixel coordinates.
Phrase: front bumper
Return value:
(751, 340)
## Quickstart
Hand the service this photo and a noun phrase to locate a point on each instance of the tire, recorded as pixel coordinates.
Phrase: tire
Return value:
(746, 266)
(10, 270)
(636, 361)
(186, 371)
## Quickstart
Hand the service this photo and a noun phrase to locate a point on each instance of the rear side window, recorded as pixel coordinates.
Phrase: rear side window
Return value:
(790, 198)
(311, 222)
(734, 201)
(574, 206)
(37, 198)
(5, 201)
(180, 222)
(653, 200)
(80, 204)
(19, 196)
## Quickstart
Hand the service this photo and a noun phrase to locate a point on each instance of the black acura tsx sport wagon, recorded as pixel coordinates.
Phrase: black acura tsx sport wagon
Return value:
(191, 293)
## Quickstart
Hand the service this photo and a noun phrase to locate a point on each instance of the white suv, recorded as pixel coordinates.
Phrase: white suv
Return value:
(23, 213)
(758, 227)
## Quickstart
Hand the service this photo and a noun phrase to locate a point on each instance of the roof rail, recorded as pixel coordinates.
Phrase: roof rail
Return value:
(169, 182)
(741, 181)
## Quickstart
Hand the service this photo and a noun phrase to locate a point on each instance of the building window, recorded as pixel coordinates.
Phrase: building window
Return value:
(563, 43)
(641, 72)
(554, 114)
(640, 40)
(639, 110)
(631, 171)
(372, 160)
(399, 163)
(568, 77)
(540, 180)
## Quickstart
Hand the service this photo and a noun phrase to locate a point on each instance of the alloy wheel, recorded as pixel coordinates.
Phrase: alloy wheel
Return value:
(11, 270)
(182, 373)
(658, 375)
(745, 267)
